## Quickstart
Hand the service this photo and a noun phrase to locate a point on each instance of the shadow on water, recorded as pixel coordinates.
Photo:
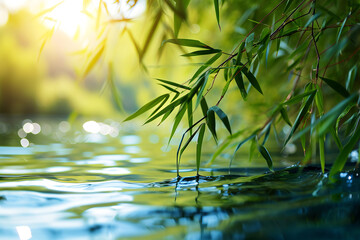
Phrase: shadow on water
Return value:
(85, 186)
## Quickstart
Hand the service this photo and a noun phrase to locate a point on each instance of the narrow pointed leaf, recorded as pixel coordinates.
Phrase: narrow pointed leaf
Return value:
(199, 146)
(322, 152)
(160, 105)
(187, 43)
(94, 60)
(252, 79)
(147, 107)
(240, 83)
(201, 52)
(169, 88)
(187, 143)
(190, 114)
(48, 10)
(298, 98)
(343, 156)
(238, 57)
(174, 84)
(223, 117)
(177, 120)
(252, 149)
(337, 87)
(264, 152)
(300, 116)
(217, 12)
(210, 121)
(285, 116)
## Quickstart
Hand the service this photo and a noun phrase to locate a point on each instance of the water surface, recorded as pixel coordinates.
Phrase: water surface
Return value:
(102, 180)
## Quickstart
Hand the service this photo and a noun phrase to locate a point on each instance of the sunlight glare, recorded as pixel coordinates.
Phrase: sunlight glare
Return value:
(24, 232)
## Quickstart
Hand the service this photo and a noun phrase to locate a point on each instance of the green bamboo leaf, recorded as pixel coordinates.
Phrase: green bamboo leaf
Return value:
(177, 120)
(341, 28)
(249, 42)
(160, 105)
(336, 138)
(225, 88)
(223, 117)
(147, 107)
(201, 52)
(151, 33)
(169, 88)
(322, 152)
(179, 13)
(241, 49)
(204, 106)
(312, 19)
(252, 79)
(264, 152)
(187, 143)
(252, 149)
(168, 108)
(342, 115)
(206, 65)
(343, 156)
(288, 4)
(173, 84)
(328, 118)
(217, 12)
(298, 98)
(285, 116)
(203, 80)
(300, 116)
(187, 43)
(114, 90)
(190, 113)
(240, 83)
(319, 100)
(210, 121)
(337, 87)
(199, 146)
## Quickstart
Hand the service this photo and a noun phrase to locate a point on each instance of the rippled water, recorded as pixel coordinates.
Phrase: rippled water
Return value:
(106, 181)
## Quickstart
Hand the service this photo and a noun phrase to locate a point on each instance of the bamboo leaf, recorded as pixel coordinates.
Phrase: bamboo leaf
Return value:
(223, 117)
(160, 105)
(168, 108)
(94, 60)
(169, 88)
(177, 120)
(285, 116)
(187, 43)
(252, 149)
(179, 13)
(336, 138)
(174, 84)
(48, 10)
(199, 146)
(187, 143)
(252, 79)
(264, 152)
(249, 42)
(241, 49)
(190, 114)
(337, 87)
(240, 83)
(217, 12)
(147, 107)
(299, 97)
(115, 92)
(210, 121)
(343, 156)
(300, 116)
(201, 52)
(150, 35)
(312, 19)
(322, 152)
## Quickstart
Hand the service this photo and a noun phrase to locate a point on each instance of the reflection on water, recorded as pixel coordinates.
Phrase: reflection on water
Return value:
(80, 181)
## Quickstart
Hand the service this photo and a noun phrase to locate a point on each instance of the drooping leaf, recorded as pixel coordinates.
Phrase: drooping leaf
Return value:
(336, 138)
(342, 115)
(240, 83)
(167, 109)
(199, 146)
(210, 121)
(319, 100)
(343, 156)
(238, 57)
(285, 116)
(322, 152)
(225, 88)
(201, 52)
(223, 117)
(174, 84)
(300, 116)
(217, 12)
(252, 79)
(147, 107)
(151, 33)
(264, 152)
(179, 13)
(341, 28)
(162, 103)
(203, 81)
(114, 90)
(253, 145)
(48, 10)
(190, 113)
(169, 88)
(249, 41)
(177, 120)
(337, 87)
(288, 4)
(187, 43)
(299, 97)
(312, 19)
(94, 60)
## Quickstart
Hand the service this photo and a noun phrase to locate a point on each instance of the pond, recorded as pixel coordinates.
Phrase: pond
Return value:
(103, 180)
